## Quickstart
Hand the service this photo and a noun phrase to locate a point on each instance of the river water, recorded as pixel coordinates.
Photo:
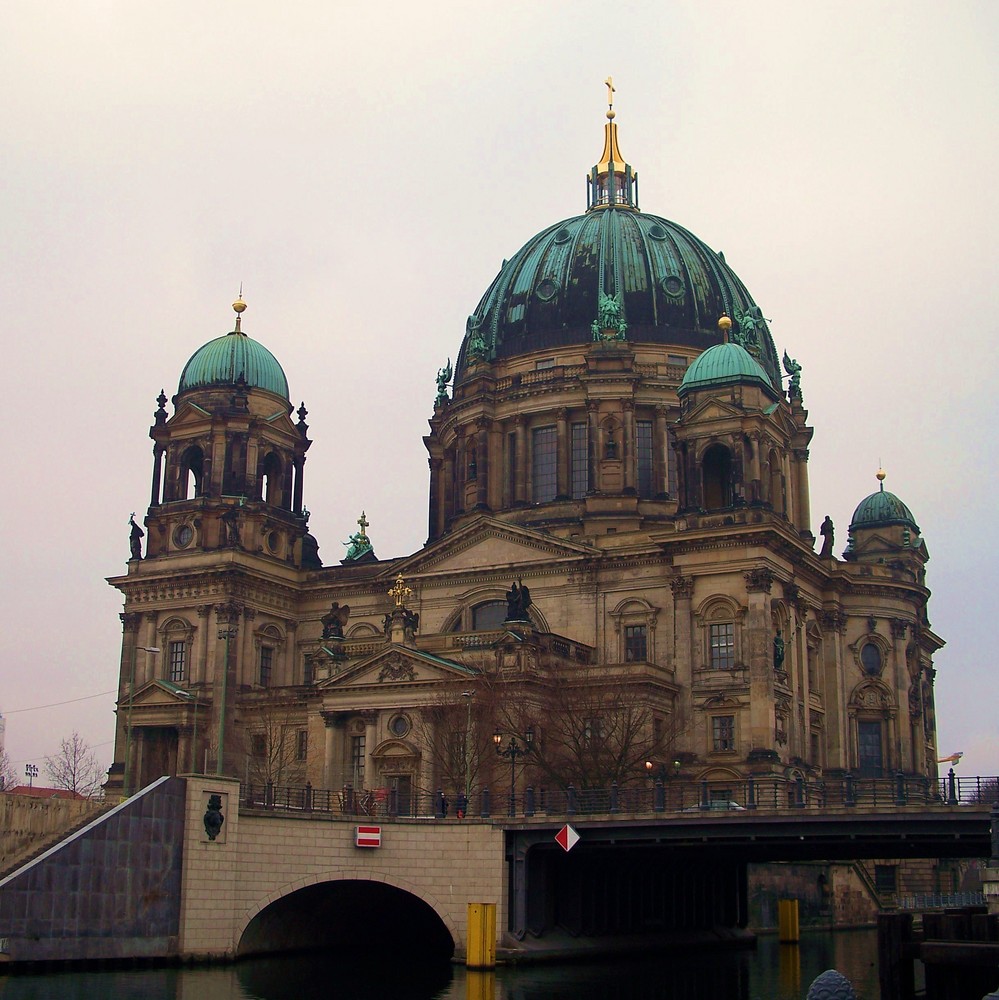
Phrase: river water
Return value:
(770, 972)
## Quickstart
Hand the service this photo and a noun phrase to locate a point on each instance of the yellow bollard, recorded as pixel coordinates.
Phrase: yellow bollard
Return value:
(787, 921)
(481, 950)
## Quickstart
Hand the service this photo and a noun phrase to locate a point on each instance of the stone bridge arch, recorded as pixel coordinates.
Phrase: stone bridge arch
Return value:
(296, 915)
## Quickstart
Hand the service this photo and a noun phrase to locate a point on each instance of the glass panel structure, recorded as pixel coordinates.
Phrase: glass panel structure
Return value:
(544, 464)
(580, 461)
(178, 661)
(645, 482)
(722, 637)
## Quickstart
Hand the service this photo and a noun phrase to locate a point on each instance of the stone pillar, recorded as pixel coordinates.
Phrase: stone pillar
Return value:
(520, 474)
(199, 669)
(902, 759)
(755, 492)
(802, 510)
(370, 735)
(630, 455)
(296, 501)
(449, 489)
(332, 749)
(757, 651)
(660, 454)
(683, 643)
(482, 462)
(562, 437)
(434, 525)
(215, 467)
(150, 667)
(593, 443)
(154, 498)
(227, 618)
(245, 666)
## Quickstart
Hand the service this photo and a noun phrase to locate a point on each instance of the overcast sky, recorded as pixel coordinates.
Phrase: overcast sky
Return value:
(364, 170)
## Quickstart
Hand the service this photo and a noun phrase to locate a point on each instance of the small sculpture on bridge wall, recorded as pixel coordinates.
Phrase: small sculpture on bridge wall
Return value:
(213, 817)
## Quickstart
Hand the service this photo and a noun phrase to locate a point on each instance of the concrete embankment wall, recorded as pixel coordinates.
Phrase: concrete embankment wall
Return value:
(26, 823)
(111, 890)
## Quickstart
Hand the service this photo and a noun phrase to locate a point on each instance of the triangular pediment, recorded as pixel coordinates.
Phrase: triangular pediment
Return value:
(157, 693)
(712, 409)
(395, 665)
(489, 543)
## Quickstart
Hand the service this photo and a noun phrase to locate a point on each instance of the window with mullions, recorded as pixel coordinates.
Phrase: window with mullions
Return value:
(544, 464)
(357, 761)
(645, 483)
(722, 638)
(671, 475)
(266, 665)
(723, 732)
(178, 661)
(580, 461)
(635, 643)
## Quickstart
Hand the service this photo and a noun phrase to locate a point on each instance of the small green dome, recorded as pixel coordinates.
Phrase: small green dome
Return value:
(880, 510)
(223, 360)
(725, 364)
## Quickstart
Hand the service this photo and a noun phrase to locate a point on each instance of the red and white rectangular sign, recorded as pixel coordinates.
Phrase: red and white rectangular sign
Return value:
(368, 836)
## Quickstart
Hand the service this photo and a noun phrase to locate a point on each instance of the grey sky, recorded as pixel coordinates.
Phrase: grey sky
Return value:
(363, 173)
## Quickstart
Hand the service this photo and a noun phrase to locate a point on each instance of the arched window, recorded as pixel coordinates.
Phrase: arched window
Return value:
(192, 464)
(488, 615)
(717, 477)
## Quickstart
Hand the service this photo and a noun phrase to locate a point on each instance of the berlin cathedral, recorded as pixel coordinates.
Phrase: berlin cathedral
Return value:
(619, 577)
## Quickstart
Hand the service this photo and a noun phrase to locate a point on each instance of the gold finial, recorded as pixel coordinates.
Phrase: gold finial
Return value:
(724, 324)
(239, 307)
(609, 83)
(881, 474)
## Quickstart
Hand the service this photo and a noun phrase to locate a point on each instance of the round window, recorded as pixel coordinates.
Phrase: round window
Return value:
(672, 285)
(870, 657)
(399, 726)
(182, 536)
(273, 541)
(547, 289)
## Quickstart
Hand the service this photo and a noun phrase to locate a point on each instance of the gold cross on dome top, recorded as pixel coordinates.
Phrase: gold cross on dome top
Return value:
(363, 522)
(609, 82)
(400, 592)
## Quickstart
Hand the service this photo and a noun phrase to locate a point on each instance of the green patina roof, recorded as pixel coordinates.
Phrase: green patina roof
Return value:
(881, 509)
(725, 364)
(223, 360)
(671, 286)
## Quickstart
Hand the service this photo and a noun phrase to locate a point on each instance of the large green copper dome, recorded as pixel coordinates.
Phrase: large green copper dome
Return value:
(670, 286)
(223, 360)
(725, 364)
(880, 510)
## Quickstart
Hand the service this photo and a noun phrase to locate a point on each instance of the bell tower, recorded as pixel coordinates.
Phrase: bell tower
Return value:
(228, 464)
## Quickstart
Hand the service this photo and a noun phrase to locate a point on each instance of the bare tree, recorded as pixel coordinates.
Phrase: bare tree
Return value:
(76, 767)
(270, 742)
(8, 779)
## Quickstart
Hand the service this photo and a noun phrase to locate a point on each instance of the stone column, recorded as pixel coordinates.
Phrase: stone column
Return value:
(683, 643)
(245, 666)
(562, 437)
(630, 455)
(520, 475)
(151, 667)
(593, 443)
(370, 735)
(154, 498)
(802, 507)
(199, 670)
(434, 525)
(903, 734)
(482, 425)
(227, 616)
(296, 501)
(757, 651)
(660, 455)
(332, 749)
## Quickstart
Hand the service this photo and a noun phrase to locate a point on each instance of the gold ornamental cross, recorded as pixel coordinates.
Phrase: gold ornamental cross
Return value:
(363, 522)
(400, 592)
(610, 91)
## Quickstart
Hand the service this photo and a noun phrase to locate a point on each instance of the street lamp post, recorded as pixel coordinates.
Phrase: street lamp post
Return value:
(660, 779)
(128, 720)
(31, 772)
(468, 695)
(513, 750)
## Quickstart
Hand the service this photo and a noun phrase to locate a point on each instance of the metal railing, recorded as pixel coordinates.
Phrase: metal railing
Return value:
(675, 796)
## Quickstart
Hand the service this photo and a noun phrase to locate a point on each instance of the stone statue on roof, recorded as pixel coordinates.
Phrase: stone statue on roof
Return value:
(609, 324)
(358, 544)
(794, 370)
(443, 379)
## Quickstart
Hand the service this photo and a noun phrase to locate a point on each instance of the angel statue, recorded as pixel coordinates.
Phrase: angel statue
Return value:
(794, 370)
(443, 379)
(334, 621)
(609, 325)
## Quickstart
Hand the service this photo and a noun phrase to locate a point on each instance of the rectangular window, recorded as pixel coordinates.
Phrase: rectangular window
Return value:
(676, 360)
(266, 663)
(544, 464)
(870, 748)
(511, 469)
(544, 364)
(258, 745)
(302, 745)
(178, 662)
(645, 478)
(356, 776)
(723, 732)
(308, 672)
(722, 638)
(580, 461)
(635, 648)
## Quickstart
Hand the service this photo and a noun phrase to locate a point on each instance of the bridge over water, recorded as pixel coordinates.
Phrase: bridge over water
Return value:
(146, 879)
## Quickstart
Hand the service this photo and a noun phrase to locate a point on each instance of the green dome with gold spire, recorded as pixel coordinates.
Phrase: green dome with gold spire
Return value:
(882, 509)
(223, 361)
(669, 286)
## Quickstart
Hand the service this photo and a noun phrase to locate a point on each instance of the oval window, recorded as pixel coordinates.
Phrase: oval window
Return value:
(399, 726)
(870, 657)
(672, 285)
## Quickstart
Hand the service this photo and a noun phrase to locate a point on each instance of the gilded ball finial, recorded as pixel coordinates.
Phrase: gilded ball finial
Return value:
(881, 474)
(610, 114)
(724, 324)
(239, 306)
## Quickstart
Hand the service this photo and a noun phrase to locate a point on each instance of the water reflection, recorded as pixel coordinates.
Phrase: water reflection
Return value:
(771, 972)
